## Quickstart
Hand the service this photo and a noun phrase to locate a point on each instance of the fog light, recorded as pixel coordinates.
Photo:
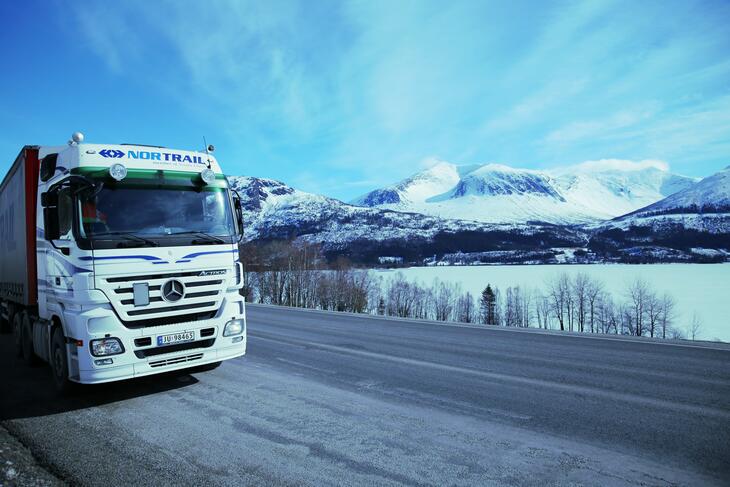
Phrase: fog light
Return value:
(106, 346)
(235, 340)
(118, 171)
(104, 361)
(234, 327)
(207, 175)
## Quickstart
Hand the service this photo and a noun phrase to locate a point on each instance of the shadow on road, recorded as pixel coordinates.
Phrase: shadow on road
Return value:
(29, 391)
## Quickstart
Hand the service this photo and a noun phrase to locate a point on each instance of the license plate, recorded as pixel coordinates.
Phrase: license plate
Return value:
(182, 337)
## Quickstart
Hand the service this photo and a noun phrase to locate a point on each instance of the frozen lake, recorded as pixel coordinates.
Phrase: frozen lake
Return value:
(700, 288)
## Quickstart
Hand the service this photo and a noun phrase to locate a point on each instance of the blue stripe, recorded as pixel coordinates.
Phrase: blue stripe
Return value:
(68, 266)
(189, 257)
(122, 257)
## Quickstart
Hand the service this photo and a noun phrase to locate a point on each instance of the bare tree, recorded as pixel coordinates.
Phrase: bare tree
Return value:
(465, 308)
(399, 297)
(444, 300)
(593, 292)
(510, 307)
(559, 292)
(608, 315)
(579, 292)
(542, 310)
(527, 296)
(653, 312)
(666, 317)
(639, 296)
(695, 326)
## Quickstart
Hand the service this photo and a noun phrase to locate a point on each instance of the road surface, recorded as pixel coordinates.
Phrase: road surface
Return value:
(338, 399)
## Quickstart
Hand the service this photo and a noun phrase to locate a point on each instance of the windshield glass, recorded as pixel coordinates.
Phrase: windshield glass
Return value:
(156, 211)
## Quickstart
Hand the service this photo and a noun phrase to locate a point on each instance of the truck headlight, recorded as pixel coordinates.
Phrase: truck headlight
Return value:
(234, 327)
(106, 346)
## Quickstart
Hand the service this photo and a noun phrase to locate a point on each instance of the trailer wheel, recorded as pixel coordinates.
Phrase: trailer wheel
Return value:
(59, 362)
(18, 335)
(27, 340)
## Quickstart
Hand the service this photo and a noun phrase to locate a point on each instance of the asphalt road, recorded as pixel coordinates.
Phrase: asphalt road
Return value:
(338, 399)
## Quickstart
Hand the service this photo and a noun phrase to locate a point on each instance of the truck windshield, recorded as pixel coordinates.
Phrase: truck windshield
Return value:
(145, 215)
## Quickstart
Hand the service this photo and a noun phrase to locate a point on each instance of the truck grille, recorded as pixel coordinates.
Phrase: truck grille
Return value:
(176, 360)
(201, 295)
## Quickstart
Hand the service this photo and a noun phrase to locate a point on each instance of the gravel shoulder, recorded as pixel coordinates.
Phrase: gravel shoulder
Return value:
(19, 468)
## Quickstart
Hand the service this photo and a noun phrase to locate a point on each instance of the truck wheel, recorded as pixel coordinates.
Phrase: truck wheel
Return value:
(27, 340)
(18, 335)
(59, 362)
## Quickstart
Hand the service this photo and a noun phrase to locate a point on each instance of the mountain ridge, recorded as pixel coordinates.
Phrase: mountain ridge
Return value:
(494, 193)
(274, 211)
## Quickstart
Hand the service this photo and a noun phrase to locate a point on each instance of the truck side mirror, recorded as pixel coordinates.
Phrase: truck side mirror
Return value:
(239, 211)
(48, 167)
(51, 230)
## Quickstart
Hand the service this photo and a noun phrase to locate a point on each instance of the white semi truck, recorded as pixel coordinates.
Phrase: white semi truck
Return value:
(120, 261)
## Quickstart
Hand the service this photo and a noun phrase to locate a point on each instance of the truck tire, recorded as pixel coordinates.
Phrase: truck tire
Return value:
(27, 340)
(59, 362)
(18, 334)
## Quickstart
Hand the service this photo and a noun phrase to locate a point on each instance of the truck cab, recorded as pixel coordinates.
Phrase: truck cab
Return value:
(136, 263)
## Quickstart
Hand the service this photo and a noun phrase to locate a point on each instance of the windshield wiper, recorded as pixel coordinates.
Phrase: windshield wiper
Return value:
(211, 238)
(129, 236)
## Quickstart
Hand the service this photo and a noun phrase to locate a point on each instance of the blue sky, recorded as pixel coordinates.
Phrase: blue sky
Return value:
(342, 97)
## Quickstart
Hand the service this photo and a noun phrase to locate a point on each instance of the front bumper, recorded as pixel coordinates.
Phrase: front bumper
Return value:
(141, 354)
(176, 361)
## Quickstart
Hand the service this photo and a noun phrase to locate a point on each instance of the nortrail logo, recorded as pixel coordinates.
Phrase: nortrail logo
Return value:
(111, 153)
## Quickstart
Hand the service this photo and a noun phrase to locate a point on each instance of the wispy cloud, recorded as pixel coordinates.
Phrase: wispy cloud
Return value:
(338, 95)
(601, 127)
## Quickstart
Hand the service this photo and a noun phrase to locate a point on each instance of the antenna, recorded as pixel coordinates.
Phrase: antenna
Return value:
(208, 150)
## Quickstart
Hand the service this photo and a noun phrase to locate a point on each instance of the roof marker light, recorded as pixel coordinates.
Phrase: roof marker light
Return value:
(118, 171)
(207, 175)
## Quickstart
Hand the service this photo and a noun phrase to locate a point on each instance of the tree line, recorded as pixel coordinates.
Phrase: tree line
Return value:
(284, 274)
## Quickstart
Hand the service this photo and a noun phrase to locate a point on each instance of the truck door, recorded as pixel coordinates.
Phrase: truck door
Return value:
(59, 278)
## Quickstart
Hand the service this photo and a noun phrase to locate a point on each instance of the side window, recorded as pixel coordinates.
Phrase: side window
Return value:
(65, 213)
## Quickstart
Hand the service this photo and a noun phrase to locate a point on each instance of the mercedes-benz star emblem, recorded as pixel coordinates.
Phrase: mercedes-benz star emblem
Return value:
(173, 291)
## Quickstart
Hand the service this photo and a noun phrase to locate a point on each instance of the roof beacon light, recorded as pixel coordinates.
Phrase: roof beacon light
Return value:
(76, 138)
(207, 175)
(118, 171)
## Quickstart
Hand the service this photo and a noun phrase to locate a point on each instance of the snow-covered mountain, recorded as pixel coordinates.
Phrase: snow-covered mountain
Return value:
(694, 222)
(275, 211)
(692, 225)
(710, 195)
(494, 193)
